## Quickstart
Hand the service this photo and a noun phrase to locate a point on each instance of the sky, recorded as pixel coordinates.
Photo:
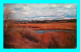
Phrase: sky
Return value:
(41, 11)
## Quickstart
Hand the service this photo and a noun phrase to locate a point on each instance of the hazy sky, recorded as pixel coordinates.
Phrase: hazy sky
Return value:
(42, 11)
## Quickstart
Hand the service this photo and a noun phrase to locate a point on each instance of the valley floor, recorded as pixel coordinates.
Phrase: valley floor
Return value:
(25, 36)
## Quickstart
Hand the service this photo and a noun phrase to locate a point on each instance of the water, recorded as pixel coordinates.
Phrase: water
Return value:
(45, 31)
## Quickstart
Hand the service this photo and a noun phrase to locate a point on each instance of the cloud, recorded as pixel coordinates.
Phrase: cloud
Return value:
(57, 11)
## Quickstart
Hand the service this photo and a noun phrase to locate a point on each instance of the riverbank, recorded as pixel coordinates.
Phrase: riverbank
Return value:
(25, 36)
